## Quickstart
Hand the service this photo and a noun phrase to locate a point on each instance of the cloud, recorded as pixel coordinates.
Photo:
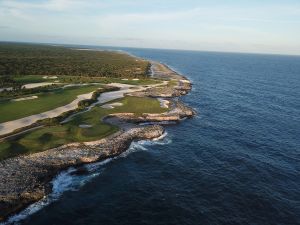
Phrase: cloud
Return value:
(4, 27)
(264, 13)
(189, 24)
(48, 5)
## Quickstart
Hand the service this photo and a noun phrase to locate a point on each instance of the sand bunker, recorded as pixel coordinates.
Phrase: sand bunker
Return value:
(28, 86)
(85, 126)
(49, 77)
(112, 105)
(116, 104)
(8, 127)
(164, 103)
(107, 106)
(25, 98)
(35, 85)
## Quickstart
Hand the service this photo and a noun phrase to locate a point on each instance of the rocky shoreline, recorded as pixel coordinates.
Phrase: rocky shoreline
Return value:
(178, 111)
(27, 179)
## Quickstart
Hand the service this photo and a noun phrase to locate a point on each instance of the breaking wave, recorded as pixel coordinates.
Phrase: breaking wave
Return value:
(69, 180)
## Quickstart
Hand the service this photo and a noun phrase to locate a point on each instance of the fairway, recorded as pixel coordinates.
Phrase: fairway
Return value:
(54, 136)
(106, 80)
(12, 110)
(82, 79)
(31, 79)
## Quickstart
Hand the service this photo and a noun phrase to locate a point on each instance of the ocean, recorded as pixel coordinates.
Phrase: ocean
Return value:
(236, 162)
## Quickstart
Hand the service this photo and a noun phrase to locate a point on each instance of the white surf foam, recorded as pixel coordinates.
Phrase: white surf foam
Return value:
(69, 181)
(63, 182)
(161, 122)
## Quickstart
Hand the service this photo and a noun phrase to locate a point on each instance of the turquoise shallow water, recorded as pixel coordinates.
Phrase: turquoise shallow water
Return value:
(237, 162)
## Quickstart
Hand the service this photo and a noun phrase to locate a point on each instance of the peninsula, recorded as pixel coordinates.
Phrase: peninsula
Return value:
(62, 107)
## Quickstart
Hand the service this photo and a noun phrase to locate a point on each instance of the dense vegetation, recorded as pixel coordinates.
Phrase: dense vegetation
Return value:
(6, 81)
(30, 59)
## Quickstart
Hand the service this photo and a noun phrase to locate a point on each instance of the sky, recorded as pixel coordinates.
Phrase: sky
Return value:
(258, 26)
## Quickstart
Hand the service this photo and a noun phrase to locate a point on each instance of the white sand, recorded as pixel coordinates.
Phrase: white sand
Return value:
(164, 103)
(49, 77)
(116, 104)
(10, 126)
(107, 106)
(28, 86)
(135, 79)
(35, 85)
(25, 98)
(112, 105)
(185, 81)
(8, 89)
(112, 95)
(85, 126)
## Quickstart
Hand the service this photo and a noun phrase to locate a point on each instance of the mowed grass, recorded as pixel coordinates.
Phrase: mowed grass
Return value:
(84, 79)
(50, 137)
(11, 110)
(31, 79)
(107, 80)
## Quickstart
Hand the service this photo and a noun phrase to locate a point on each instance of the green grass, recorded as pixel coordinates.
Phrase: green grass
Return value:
(106, 80)
(83, 79)
(31, 79)
(50, 137)
(10, 110)
(139, 105)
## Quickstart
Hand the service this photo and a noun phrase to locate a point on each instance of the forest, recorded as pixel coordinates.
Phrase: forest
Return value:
(37, 59)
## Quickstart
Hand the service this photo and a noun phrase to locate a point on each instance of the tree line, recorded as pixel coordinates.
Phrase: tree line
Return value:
(31, 59)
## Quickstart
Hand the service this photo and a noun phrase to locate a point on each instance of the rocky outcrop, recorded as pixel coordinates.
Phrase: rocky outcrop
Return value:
(178, 112)
(175, 88)
(26, 179)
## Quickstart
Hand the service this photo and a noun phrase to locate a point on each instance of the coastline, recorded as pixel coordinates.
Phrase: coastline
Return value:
(30, 175)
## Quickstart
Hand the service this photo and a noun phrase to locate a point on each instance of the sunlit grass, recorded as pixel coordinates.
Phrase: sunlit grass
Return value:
(54, 136)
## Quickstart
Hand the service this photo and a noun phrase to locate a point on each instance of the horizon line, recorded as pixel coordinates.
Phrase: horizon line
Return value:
(153, 48)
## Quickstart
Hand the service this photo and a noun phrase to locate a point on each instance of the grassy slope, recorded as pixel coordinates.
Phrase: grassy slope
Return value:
(15, 110)
(50, 137)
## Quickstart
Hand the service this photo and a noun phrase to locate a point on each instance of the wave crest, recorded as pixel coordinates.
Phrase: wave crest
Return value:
(68, 180)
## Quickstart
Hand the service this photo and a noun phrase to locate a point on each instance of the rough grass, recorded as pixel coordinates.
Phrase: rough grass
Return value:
(10, 110)
(50, 137)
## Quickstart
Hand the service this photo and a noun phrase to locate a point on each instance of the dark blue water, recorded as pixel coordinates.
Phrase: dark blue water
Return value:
(237, 162)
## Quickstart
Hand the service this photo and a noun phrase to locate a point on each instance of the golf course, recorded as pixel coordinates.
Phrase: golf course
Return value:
(54, 136)
(32, 102)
